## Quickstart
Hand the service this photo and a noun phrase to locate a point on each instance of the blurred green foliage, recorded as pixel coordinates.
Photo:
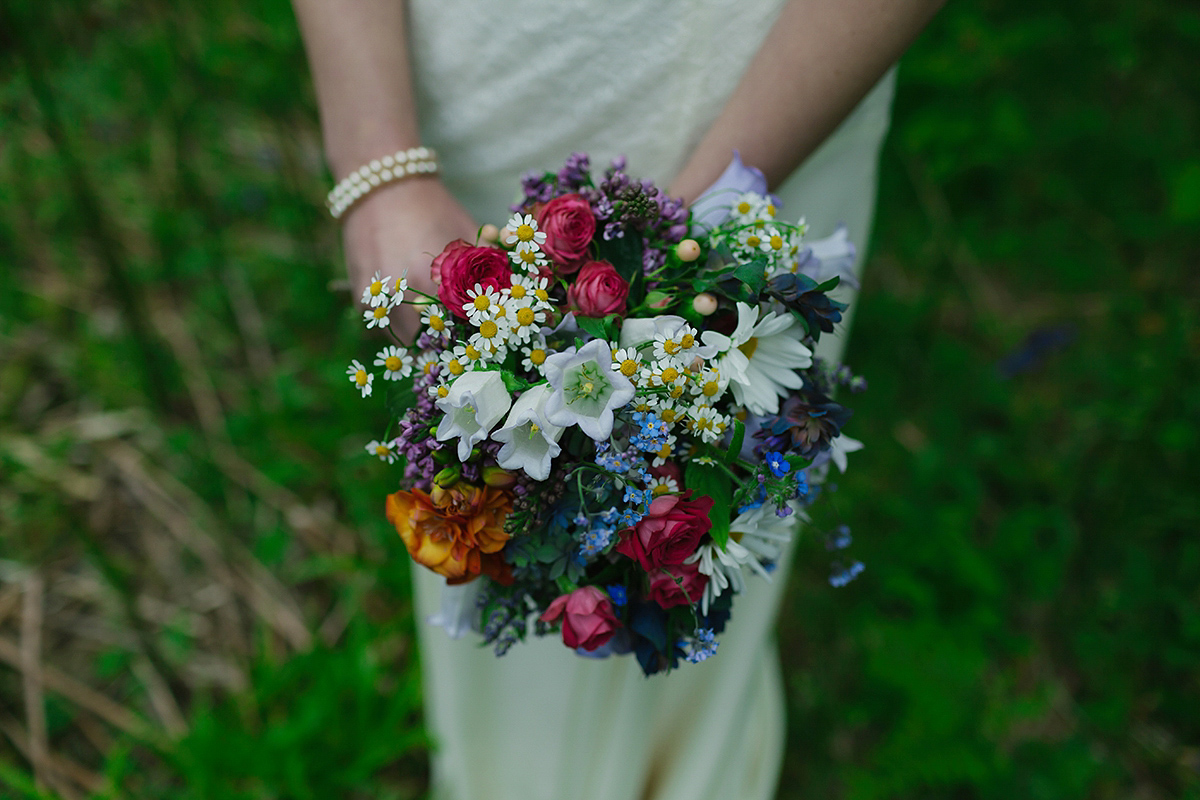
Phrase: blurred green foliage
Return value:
(1029, 621)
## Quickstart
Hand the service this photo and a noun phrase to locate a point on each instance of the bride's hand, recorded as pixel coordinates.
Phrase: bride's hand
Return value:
(403, 227)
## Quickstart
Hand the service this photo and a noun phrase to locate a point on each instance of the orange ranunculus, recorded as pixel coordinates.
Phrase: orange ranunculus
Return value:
(456, 532)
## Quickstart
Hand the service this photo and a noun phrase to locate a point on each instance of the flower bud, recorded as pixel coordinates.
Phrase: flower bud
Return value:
(448, 477)
(688, 250)
(659, 300)
(489, 233)
(704, 304)
(498, 477)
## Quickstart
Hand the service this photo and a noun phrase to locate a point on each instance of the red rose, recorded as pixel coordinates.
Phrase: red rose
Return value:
(588, 619)
(569, 226)
(598, 290)
(460, 266)
(669, 533)
(666, 592)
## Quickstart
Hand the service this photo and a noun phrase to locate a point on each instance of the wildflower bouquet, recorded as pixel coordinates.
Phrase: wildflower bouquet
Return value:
(612, 414)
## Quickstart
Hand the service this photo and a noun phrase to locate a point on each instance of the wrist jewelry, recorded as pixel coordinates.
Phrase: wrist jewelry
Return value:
(381, 171)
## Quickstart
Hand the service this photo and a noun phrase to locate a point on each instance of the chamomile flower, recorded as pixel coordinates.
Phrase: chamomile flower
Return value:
(664, 484)
(748, 207)
(401, 284)
(760, 357)
(668, 410)
(667, 346)
(491, 336)
(377, 317)
(774, 242)
(750, 238)
(535, 354)
(482, 303)
(384, 450)
(524, 321)
(426, 362)
(524, 231)
(527, 258)
(439, 390)
(376, 292)
(396, 363)
(360, 377)
(627, 362)
(708, 423)
(665, 453)
(434, 318)
(537, 286)
(709, 385)
(453, 363)
(472, 356)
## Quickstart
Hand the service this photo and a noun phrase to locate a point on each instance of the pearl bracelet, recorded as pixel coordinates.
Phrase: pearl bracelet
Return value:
(381, 171)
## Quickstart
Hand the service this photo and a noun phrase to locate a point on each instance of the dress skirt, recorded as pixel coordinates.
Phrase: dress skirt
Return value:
(504, 87)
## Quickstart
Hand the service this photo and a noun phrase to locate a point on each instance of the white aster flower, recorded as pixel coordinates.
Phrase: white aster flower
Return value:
(384, 450)
(839, 446)
(491, 336)
(438, 389)
(530, 441)
(401, 285)
(626, 361)
(471, 356)
(663, 484)
(528, 256)
(454, 363)
(710, 384)
(535, 354)
(482, 304)
(524, 231)
(665, 453)
(360, 377)
(376, 292)
(668, 410)
(377, 317)
(396, 363)
(760, 358)
(425, 362)
(750, 238)
(586, 389)
(474, 404)
(524, 320)
(708, 423)
(748, 207)
(434, 318)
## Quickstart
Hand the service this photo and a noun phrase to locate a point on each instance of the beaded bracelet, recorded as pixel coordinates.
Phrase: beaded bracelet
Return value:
(381, 171)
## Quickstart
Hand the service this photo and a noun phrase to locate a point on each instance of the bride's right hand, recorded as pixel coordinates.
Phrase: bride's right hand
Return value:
(399, 228)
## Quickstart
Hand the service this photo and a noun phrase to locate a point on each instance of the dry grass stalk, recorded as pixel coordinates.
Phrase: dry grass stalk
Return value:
(31, 674)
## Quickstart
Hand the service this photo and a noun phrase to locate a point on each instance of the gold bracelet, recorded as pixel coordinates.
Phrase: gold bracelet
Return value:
(379, 172)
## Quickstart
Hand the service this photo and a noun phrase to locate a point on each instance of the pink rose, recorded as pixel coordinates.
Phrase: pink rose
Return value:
(598, 290)
(666, 592)
(587, 618)
(460, 266)
(669, 533)
(569, 226)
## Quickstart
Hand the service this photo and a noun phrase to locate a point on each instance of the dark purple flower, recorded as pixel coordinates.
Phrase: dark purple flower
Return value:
(800, 294)
(805, 424)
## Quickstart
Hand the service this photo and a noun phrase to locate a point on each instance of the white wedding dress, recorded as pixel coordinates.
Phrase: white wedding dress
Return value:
(504, 87)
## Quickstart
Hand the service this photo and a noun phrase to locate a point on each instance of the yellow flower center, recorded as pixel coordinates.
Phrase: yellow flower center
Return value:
(482, 303)
(537, 356)
(710, 389)
(670, 347)
(525, 316)
(669, 374)
(629, 367)
(444, 391)
(529, 256)
(428, 368)
(749, 346)
(770, 209)
(437, 323)
(488, 329)
(382, 450)
(518, 291)
(393, 363)
(376, 288)
(665, 452)
(472, 353)
(668, 415)
(455, 366)
(687, 341)
(744, 207)
(660, 489)
(525, 232)
(360, 377)
(776, 242)
(542, 295)
(380, 312)
(676, 392)
(753, 241)
(501, 311)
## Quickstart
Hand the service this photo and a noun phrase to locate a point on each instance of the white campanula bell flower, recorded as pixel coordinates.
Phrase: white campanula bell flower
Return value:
(476, 401)
(530, 441)
(586, 389)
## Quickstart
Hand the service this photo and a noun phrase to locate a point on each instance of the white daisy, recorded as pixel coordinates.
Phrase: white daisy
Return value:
(665, 453)
(535, 354)
(384, 450)
(627, 362)
(774, 243)
(435, 320)
(764, 533)
(482, 303)
(439, 390)
(663, 484)
(724, 569)
(396, 363)
(401, 284)
(750, 238)
(491, 336)
(454, 364)
(528, 258)
(377, 317)
(524, 230)
(376, 292)
(360, 377)
(708, 423)
(425, 362)
(524, 320)
(761, 357)
(709, 385)
(748, 207)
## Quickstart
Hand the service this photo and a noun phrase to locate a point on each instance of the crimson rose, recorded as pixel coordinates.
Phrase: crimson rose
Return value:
(598, 290)
(666, 592)
(460, 266)
(669, 533)
(569, 226)
(588, 619)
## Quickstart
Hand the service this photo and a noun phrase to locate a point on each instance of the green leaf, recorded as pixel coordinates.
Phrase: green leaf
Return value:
(752, 274)
(709, 480)
(512, 382)
(735, 444)
(830, 285)
(625, 254)
(593, 326)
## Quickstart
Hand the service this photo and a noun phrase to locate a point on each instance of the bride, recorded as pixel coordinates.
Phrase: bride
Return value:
(802, 89)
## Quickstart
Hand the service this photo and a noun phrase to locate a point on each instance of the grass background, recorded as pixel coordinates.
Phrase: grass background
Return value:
(198, 597)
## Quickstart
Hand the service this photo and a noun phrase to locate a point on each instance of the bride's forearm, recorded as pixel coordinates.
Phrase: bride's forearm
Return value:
(357, 51)
(818, 60)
